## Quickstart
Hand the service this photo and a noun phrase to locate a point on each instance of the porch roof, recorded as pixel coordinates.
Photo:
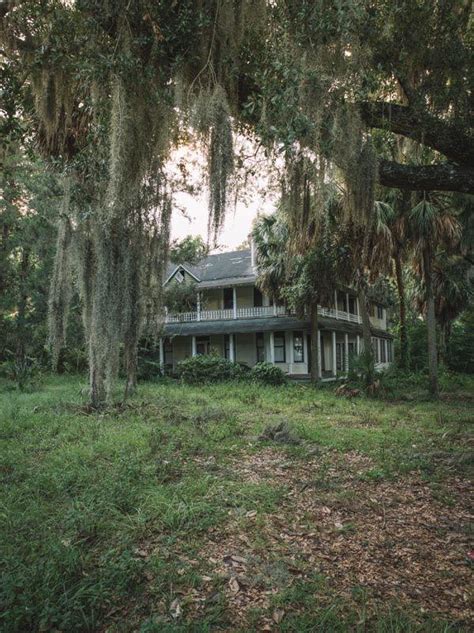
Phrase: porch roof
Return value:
(265, 324)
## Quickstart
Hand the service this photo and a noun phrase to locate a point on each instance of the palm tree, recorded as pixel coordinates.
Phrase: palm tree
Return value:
(389, 250)
(299, 258)
(431, 224)
(453, 291)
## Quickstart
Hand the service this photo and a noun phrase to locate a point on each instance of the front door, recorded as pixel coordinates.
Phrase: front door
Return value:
(202, 345)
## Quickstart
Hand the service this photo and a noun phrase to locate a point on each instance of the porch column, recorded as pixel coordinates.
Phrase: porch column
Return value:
(334, 363)
(358, 345)
(335, 304)
(292, 350)
(198, 306)
(231, 348)
(346, 352)
(359, 319)
(272, 348)
(162, 357)
(347, 302)
(320, 340)
(193, 346)
(234, 301)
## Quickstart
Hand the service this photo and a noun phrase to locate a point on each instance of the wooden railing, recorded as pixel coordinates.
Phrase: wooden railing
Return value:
(253, 313)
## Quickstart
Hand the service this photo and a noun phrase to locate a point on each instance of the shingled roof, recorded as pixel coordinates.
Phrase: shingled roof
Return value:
(233, 267)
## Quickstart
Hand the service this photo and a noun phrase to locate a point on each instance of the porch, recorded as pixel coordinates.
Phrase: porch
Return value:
(288, 349)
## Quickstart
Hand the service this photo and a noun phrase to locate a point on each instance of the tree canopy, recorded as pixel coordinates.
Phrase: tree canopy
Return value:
(358, 93)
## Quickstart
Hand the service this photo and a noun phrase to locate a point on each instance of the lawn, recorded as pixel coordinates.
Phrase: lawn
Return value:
(171, 514)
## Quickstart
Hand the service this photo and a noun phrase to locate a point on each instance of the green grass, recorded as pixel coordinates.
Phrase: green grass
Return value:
(101, 514)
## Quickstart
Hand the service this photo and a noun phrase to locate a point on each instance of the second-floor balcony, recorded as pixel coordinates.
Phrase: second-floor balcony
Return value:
(254, 313)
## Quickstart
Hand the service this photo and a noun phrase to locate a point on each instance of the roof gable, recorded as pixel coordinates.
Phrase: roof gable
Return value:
(219, 267)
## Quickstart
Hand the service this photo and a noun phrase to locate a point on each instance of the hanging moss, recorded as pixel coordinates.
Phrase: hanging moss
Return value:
(61, 284)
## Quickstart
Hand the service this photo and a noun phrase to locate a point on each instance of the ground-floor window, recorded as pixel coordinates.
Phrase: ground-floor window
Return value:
(383, 350)
(202, 345)
(375, 348)
(298, 347)
(279, 347)
(260, 347)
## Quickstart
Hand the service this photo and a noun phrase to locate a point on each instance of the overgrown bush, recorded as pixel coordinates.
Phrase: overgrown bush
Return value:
(268, 374)
(209, 368)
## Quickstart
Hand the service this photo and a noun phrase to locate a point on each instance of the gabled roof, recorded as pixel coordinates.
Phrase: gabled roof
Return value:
(214, 270)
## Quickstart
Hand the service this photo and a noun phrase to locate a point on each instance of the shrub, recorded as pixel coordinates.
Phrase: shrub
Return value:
(268, 374)
(209, 368)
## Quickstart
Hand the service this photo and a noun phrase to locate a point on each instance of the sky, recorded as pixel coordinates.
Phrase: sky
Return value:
(258, 195)
(237, 225)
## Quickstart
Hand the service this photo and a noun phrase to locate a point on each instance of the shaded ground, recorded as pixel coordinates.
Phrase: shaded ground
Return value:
(391, 540)
(170, 514)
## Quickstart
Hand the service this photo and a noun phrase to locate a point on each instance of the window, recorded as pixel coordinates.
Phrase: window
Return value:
(383, 354)
(260, 345)
(202, 345)
(179, 276)
(257, 298)
(298, 347)
(379, 312)
(279, 347)
(352, 305)
(375, 348)
(228, 298)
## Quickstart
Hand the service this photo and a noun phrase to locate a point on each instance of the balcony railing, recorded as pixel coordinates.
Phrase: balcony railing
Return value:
(253, 313)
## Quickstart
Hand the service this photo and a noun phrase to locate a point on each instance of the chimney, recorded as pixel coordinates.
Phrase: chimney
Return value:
(253, 257)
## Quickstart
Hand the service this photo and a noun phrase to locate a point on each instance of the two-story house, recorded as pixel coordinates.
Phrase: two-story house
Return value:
(233, 319)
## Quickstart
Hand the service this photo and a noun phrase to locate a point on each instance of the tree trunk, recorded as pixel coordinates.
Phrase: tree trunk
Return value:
(20, 353)
(314, 344)
(96, 388)
(403, 313)
(431, 326)
(442, 343)
(439, 177)
(453, 141)
(131, 366)
(367, 337)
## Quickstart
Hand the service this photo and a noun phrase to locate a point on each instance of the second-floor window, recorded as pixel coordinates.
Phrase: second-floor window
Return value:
(379, 312)
(279, 347)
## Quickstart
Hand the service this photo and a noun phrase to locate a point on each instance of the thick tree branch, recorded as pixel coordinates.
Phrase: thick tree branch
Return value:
(441, 177)
(448, 139)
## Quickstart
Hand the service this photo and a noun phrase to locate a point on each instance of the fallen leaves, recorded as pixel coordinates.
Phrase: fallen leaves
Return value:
(392, 538)
(175, 609)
